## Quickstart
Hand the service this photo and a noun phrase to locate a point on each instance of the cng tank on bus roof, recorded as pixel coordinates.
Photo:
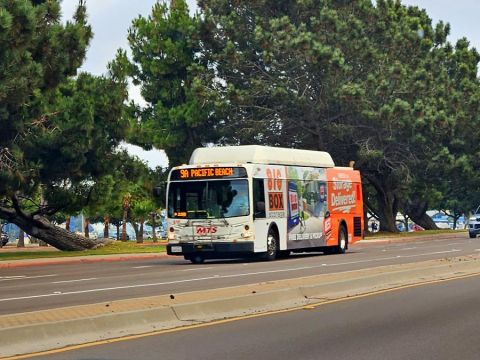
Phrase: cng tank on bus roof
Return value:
(257, 154)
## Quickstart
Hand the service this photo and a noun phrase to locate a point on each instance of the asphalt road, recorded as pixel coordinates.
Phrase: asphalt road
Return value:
(430, 322)
(45, 287)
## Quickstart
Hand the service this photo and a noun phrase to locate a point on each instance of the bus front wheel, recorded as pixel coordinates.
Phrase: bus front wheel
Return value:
(272, 246)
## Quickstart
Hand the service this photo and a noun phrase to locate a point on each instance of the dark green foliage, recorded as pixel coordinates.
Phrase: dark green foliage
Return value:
(167, 63)
(374, 83)
(58, 133)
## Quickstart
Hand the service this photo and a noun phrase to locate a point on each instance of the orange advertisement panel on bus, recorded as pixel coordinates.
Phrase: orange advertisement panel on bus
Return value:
(344, 190)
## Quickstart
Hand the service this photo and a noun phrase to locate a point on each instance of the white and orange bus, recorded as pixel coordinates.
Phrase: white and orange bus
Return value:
(241, 201)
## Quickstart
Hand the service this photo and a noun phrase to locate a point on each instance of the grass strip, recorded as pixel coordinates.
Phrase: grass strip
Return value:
(384, 234)
(113, 248)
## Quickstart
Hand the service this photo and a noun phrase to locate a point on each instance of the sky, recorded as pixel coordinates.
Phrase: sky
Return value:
(110, 20)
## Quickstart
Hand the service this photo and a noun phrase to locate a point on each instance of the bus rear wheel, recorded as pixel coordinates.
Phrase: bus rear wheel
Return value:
(342, 240)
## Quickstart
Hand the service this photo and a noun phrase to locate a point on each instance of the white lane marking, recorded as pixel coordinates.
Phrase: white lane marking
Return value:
(142, 267)
(70, 281)
(58, 293)
(23, 277)
(203, 268)
(410, 248)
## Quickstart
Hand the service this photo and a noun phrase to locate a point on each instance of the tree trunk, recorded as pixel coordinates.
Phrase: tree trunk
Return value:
(136, 229)
(455, 220)
(124, 225)
(86, 223)
(67, 223)
(417, 211)
(387, 221)
(387, 203)
(39, 227)
(388, 212)
(154, 226)
(118, 231)
(140, 232)
(106, 223)
(21, 239)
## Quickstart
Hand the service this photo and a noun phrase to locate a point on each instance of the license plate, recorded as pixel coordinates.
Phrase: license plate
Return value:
(176, 249)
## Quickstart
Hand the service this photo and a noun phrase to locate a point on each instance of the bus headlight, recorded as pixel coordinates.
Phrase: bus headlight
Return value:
(247, 234)
(171, 234)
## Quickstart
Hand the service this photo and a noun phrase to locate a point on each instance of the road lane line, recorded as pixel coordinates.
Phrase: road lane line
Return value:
(195, 269)
(58, 293)
(23, 277)
(70, 281)
(142, 267)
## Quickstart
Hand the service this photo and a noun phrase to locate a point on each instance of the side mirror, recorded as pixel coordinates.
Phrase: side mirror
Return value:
(327, 214)
(159, 191)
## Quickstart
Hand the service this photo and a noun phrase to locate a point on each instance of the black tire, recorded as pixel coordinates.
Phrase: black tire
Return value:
(329, 250)
(472, 236)
(342, 241)
(272, 247)
(197, 259)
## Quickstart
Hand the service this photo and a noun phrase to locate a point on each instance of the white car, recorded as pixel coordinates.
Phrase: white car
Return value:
(474, 224)
(443, 224)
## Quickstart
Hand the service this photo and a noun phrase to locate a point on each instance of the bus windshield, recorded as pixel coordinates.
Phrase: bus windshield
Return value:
(208, 199)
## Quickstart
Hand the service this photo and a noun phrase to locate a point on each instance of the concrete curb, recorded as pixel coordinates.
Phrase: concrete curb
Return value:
(24, 334)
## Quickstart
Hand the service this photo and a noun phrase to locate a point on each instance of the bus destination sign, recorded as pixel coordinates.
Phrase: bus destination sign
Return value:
(208, 173)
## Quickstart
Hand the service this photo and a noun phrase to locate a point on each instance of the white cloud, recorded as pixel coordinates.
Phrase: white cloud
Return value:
(153, 158)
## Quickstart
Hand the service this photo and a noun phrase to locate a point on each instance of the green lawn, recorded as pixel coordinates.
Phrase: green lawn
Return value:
(116, 247)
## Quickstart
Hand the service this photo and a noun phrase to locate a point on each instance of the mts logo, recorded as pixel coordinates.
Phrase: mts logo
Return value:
(202, 230)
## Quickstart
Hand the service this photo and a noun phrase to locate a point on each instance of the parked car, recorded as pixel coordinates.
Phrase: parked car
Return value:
(474, 224)
(4, 238)
(113, 236)
(443, 224)
(416, 227)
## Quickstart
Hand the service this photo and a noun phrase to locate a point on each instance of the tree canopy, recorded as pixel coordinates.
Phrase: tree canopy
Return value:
(376, 83)
(59, 130)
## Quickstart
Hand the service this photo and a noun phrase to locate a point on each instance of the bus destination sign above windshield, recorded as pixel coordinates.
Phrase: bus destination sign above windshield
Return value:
(208, 173)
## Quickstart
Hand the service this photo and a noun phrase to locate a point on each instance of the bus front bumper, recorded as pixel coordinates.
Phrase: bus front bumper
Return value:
(212, 249)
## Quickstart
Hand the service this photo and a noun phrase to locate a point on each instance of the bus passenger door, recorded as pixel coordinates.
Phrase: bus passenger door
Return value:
(259, 215)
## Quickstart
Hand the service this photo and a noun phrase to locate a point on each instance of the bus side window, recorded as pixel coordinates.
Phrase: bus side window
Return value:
(258, 199)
